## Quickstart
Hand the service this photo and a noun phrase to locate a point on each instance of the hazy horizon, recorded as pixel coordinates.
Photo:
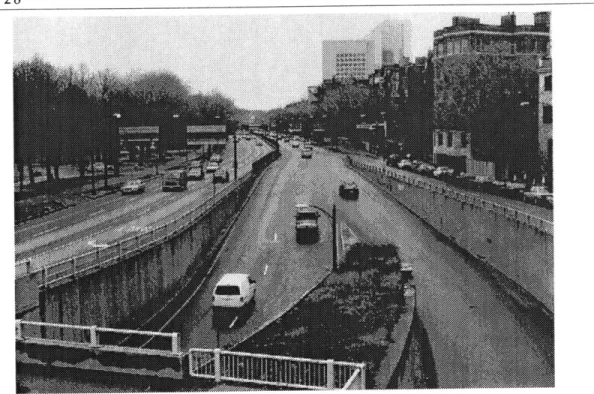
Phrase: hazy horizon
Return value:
(259, 61)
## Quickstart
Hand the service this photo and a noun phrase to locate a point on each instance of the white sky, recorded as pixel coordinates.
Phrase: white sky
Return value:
(261, 61)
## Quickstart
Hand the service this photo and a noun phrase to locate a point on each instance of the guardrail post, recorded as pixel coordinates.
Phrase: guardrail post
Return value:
(153, 234)
(73, 264)
(28, 266)
(93, 331)
(18, 325)
(175, 342)
(119, 247)
(44, 276)
(330, 374)
(97, 256)
(363, 377)
(217, 365)
(137, 242)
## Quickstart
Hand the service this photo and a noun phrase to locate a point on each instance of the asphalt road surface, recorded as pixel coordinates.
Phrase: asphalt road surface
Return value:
(75, 230)
(479, 337)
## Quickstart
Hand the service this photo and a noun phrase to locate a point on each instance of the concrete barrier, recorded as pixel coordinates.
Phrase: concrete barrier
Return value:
(517, 248)
(124, 292)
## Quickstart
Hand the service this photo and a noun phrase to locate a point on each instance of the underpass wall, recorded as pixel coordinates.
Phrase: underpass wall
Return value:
(518, 248)
(128, 291)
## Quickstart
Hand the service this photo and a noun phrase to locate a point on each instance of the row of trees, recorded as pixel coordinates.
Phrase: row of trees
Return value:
(71, 116)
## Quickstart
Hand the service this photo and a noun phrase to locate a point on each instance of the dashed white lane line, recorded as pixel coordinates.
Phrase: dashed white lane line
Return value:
(45, 232)
(265, 269)
(233, 322)
(97, 213)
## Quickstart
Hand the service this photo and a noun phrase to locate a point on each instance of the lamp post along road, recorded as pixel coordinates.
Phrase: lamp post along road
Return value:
(332, 217)
(235, 153)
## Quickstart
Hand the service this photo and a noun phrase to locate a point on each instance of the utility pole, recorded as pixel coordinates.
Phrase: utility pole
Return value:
(235, 153)
(334, 239)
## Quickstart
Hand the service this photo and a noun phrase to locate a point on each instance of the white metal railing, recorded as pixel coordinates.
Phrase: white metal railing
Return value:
(92, 336)
(280, 371)
(506, 211)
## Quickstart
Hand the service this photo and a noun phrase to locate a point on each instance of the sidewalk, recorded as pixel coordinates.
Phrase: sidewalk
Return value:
(533, 210)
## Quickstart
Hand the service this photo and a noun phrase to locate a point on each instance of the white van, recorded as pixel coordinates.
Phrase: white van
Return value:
(234, 291)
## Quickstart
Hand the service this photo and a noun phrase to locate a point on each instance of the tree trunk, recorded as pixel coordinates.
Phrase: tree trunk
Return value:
(48, 170)
(56, 170)
(31, 171)
(21, 170)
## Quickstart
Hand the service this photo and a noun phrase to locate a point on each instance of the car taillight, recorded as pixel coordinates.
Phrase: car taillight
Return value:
(240, 298)
(213, 298)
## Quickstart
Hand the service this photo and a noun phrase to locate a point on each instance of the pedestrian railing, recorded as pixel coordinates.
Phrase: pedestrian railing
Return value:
(95, 337)
(279, 371)
(508, 212)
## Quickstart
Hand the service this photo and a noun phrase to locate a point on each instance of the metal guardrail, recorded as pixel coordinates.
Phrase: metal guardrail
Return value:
(279, 371)
(90, 336)
(543, 225)
(91, 260)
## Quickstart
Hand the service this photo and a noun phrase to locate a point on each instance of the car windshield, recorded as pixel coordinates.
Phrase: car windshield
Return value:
(227, 290)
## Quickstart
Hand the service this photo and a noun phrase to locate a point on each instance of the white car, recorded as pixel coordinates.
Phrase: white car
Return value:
(133, 186)
(216, 158)
(306, 154)
(212, 166)
(441, 171)
(294, 144)
(234, 291)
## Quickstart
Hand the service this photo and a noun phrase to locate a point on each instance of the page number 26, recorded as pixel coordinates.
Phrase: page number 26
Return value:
(12, 2)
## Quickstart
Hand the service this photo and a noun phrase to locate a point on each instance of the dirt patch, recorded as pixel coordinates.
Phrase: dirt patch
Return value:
(349, 317)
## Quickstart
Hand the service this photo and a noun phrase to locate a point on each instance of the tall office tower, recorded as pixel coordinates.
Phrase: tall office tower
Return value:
(392, 41)
(347, 59)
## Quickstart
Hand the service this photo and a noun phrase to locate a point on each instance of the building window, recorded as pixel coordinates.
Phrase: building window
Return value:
(450, 139)
(439, 139)
(548, 83)
(464, 140)
(547, 114)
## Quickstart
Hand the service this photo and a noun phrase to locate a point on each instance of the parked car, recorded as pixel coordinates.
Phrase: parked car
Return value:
(234, 291)
(405, 164)
(538, 193)
(212, 166)
(175, 180)
(425, 168)
(133, 186)
(216, 158)
(348, 189)
(196, 173)
(443, 171)
(100, 168)
(220, 176)
(393, 160)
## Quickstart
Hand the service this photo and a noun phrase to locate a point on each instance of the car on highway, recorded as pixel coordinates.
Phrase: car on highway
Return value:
(259, 142)
(133, 186)
(348, 190)
(220, 176)
(443, 171)
(216, 158)
(306, 154)
(294, 144)
(212, 166)
(234, 290)
(175, 180)
(196, 173)
(306, 224)
(425, 168)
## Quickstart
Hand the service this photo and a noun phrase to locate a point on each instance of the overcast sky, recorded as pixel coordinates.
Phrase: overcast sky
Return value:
(260, 61)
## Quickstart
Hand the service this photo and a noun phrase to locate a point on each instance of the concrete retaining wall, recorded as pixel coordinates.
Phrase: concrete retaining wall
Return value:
(521, 251)
(130, 290)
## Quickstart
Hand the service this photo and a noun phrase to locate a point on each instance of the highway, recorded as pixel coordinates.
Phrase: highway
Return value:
(78, 229)
(479, 337)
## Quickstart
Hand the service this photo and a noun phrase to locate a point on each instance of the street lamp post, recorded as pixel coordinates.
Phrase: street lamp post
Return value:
(117, 117)
(235, 153)
(332, 216)
(175, 118)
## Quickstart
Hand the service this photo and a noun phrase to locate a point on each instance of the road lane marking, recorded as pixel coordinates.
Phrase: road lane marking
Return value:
(97, 213)
(275, 237)
(265, 269)
(233, 322)
(93, 243)
(45, 232)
